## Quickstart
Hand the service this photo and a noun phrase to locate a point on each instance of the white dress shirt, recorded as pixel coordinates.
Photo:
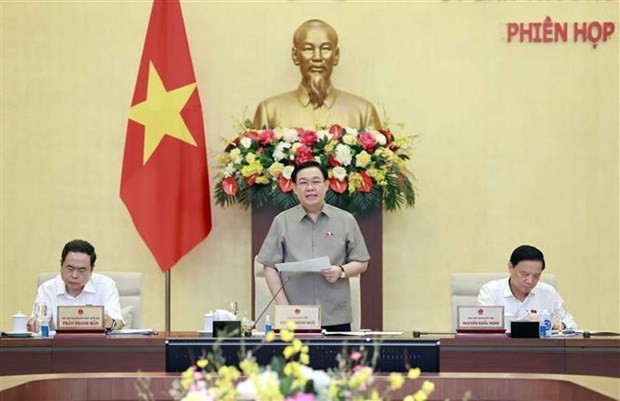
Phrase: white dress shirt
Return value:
(99, 290)
(543, 296)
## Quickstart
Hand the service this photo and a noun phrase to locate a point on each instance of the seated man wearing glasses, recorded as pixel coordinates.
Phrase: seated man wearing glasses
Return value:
(78, 285)
(309, 230)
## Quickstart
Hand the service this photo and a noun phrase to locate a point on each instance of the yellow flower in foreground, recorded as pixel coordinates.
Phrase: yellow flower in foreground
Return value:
(413, 373)
(290, 325)
(254, 167)
(269, 337)
(202, 363)
(304, 358)
(286, 335)
(418, 396)
(187, 377)
(396, 381)
(374, 396)
(428, 387)
(249, 367)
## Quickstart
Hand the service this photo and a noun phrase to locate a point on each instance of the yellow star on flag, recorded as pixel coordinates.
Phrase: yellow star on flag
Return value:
(160, 113)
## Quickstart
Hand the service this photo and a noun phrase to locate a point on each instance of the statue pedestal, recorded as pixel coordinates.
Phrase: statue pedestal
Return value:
(372, 281)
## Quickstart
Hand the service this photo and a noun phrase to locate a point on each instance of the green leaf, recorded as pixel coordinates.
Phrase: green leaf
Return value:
(283, 200)
(364, 203)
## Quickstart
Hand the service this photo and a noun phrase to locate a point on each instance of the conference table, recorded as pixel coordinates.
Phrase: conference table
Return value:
(437, 355)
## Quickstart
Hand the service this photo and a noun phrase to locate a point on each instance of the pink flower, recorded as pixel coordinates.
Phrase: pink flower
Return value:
(355, 356)
(367, 140)
(301, 397)
(304, 154)
(266, 136)
(308, 138)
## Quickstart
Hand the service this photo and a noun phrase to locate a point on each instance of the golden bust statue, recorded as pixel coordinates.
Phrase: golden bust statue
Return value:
(316, 102)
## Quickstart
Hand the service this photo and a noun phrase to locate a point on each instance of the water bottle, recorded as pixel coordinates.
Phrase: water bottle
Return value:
(45, 327)
(545, 324)
(267, 324)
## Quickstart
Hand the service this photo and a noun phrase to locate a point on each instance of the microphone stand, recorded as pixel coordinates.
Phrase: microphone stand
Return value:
(270, 302)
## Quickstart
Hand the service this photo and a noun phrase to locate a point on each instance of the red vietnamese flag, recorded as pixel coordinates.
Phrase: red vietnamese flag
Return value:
(164, 183)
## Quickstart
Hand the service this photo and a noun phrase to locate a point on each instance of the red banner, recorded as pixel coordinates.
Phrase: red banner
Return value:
(164, 183)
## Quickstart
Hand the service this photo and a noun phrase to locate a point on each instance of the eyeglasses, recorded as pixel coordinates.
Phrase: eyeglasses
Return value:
(305, 184)
(78, 270)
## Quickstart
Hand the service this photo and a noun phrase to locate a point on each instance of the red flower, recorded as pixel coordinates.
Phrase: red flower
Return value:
(367, 140)
(308, 138)
(285, 184)
(229, 185)
(232, 144)
(266, 136)
(336, 131)
(304, 154)
(333, 162)
(252, 135)
(366, 184)
(251, 180)
(338, 186)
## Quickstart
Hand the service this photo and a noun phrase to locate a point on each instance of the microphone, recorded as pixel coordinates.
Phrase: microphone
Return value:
(418, 334)
(270, 302)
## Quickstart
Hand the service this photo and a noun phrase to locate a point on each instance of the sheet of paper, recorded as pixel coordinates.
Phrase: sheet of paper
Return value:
(365, 333)
(132, 331)
(304, 266)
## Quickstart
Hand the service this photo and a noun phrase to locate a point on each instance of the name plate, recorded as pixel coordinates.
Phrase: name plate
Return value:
(481, 319)
(305, 317)
(80, 319)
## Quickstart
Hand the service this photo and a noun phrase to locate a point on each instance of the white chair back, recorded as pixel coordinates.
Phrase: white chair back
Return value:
(129, 285)
(262, 296)
(464, 288)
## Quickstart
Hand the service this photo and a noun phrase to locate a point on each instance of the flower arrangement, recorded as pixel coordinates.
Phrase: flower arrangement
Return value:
(289, 378)
(366, 168)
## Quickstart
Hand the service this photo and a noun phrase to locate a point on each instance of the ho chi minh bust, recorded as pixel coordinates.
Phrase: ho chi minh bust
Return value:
(316, 102)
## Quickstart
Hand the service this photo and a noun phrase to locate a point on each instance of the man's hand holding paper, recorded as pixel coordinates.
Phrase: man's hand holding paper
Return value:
(316, 265)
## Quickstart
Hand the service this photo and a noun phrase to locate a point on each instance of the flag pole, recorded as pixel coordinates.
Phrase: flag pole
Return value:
(168, 302)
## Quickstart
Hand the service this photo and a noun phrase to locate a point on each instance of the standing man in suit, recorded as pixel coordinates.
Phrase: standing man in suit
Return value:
(309, 230)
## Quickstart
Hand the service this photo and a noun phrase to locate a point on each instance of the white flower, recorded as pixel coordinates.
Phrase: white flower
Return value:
(351, 131)
(379, 137)
(343, 154)
(321, 381)
(287, 172)
(246, 142)
(229, 170)
(290, 135)
(246, 389)
(323, 134)
(340, 173)
(279, 153)
(235, 156)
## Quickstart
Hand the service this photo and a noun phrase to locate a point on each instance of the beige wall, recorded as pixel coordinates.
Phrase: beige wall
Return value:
(517, 143)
